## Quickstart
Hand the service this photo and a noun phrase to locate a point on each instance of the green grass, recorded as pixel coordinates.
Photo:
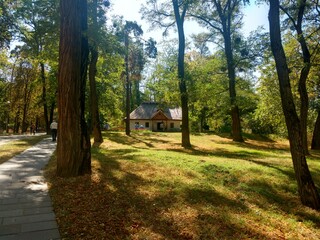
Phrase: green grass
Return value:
(15, 147)
(147, 187)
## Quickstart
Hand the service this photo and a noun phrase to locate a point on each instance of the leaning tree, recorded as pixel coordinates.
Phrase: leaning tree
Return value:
(307, 190)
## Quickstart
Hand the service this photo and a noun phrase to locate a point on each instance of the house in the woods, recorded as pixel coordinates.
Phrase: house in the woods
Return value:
(151, 116)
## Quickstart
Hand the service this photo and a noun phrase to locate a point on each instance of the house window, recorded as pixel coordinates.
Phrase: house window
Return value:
(147, 124)
(171, 125)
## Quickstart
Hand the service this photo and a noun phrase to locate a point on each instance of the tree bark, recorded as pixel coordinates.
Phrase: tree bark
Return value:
(96, 128)
(185, 141)
(52, 107)
(73, 149)
(306, 188)
(127, 84)
(235, 113)
(44, 98)
(304, 99)
(27, 76)
(315, 144)
(85, 137)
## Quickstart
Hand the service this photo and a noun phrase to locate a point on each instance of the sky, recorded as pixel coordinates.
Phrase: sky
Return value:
(254, 16)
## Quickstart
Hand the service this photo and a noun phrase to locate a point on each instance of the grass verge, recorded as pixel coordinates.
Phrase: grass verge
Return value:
(147, 187)
(15, 147)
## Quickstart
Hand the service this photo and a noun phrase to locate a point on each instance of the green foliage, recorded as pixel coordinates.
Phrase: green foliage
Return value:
(208, 91)
(268, 117)
(110, 89)
(161, 83)
(7, 22)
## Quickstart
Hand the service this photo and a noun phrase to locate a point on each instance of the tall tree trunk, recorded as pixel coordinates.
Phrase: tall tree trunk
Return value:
(137, 94)
(52, 107)
(96, 129)
(182, 82)
(127, 84)
(73, 149)
(304, 105)
(307, 190)
(7, 122)
(44, 98)
(85, 141)
(37, 123)
(235, 114)
(315, 144)
(24, 126)
(304, 99)
(17, 121)
(26, 103)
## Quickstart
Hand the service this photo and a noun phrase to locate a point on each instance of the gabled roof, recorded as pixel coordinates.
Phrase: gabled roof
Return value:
(147, 110)
(159, 115)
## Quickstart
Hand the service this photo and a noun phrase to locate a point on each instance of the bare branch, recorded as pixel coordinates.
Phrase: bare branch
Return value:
(207, 22)
(289, 16)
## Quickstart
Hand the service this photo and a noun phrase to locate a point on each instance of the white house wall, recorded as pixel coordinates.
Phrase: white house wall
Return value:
(140, 123)
(153, 125)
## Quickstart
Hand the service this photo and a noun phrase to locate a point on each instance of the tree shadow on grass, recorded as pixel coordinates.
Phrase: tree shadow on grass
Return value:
(223, 153)
(262, 193)
(120, 138)
(133, 139)
(288, 172)
(161, 209)
(287, 203)
(148, 144)
(118, 202)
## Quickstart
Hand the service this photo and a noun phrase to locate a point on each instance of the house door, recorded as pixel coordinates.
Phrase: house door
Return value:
(159, 126)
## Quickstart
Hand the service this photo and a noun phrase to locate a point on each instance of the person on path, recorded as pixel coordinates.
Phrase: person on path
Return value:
(54, 129)
(33, 129)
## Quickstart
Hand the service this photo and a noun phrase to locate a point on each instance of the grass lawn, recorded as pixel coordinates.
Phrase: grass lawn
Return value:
(147, 187)
(15, 147)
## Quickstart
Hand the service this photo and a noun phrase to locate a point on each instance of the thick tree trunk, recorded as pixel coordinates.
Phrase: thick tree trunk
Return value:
(96, 129)
(127, 84)
(44, 98)
(304, 99)
(73, 150)
(236, 125)
(304, 105)
(235, 114)
(52, 107)
(185, 132)
(307, 190)
(315, 144)
(85, 140)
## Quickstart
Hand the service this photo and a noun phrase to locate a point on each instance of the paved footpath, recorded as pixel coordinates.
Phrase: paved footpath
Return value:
(25, 206)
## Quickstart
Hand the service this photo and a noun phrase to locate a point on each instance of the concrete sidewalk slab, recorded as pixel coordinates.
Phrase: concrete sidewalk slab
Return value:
(25, 206)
